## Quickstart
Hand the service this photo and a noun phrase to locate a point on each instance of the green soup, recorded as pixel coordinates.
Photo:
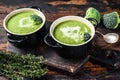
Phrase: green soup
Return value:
(71, 32)
(21, 23)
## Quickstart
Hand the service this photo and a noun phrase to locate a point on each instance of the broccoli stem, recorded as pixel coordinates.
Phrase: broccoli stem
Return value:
(119, 21)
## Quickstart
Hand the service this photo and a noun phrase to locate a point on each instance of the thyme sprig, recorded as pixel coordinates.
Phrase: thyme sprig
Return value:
(16, 66)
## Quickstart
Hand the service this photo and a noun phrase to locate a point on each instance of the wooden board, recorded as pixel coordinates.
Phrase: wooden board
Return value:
(53, 59)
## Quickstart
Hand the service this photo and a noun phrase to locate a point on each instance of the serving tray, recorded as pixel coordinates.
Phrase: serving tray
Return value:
(53, 59)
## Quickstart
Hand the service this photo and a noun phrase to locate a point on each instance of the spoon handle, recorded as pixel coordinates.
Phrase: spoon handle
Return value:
(99, 33)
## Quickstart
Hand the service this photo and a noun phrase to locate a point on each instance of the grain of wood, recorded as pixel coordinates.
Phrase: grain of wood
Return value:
(76, 2)
(3, 47)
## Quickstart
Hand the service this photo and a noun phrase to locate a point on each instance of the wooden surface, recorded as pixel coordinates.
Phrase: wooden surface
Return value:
(54, 9)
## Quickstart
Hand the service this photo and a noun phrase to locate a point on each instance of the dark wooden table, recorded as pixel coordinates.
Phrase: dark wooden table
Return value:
(54, 9)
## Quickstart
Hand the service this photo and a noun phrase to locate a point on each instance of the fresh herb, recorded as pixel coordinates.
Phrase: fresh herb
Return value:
(17, 67)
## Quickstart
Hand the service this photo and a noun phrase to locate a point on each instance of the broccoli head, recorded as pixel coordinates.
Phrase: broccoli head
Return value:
(111, 20)
(86, 37)
(36, 19)
(93, 13)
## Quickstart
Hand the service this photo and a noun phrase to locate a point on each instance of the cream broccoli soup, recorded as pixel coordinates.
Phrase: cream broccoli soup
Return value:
(24, 22)
(72, 32)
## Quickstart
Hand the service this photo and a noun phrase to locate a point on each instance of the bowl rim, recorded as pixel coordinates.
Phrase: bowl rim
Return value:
(66, 18)
(22, 10)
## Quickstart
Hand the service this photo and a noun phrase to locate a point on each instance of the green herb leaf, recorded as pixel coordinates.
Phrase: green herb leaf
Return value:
(16, 66)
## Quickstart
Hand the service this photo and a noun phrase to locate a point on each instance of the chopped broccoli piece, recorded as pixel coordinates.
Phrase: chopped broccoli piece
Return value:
(93, 13)
(87, 36)
(37, 19)
(111, 20)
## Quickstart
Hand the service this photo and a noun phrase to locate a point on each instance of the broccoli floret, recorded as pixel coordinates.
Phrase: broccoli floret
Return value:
(111, 20)
(93, 13)
(36, 19)
(86, 37)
